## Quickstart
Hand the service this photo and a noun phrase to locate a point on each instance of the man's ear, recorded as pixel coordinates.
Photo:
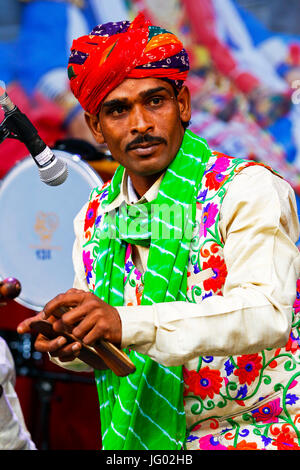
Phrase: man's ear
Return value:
(93, 122)
(184, 102)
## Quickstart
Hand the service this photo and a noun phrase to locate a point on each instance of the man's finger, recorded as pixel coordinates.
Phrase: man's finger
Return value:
(77, 314)
(70, 299)
(67, 353)
(45, 345)
(24, 326)
(86, 325)
(92, 336)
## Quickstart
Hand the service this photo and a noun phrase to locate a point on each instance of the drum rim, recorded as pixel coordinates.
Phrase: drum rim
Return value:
(75, 158)
(60, 153)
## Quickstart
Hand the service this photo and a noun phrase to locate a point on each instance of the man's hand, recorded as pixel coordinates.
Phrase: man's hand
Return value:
(56, 347)
(88, 318)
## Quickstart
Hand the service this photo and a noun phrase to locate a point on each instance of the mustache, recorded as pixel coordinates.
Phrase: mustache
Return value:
(145, 139)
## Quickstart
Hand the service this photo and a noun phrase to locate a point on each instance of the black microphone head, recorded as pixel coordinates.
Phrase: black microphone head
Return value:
(55, 173)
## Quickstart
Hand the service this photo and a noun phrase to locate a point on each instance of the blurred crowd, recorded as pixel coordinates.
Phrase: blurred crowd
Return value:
(244, 78)
(245, 71)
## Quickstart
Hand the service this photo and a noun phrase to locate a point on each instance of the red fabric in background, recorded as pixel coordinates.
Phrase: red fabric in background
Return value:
(73, 418)
(73, 422)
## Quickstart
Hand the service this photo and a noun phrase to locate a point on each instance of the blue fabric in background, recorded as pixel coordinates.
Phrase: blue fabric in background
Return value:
(261, 33)
(7, 60)
(258, 31)
(282, 133)
(42, 42)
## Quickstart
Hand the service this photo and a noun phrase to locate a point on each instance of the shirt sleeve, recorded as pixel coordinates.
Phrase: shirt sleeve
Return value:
(259, 226)
(13, 431)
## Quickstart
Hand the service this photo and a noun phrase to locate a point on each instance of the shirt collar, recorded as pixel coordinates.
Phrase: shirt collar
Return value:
(128, 195)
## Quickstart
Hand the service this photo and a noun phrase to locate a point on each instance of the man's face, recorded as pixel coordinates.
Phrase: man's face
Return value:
(140, 121)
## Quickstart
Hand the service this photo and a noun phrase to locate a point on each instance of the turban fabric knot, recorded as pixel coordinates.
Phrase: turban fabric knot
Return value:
(100, 61)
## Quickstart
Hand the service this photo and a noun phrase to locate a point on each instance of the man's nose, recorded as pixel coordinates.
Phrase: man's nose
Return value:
(140, 121)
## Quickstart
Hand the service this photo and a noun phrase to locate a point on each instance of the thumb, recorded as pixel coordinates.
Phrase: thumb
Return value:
(24, 326)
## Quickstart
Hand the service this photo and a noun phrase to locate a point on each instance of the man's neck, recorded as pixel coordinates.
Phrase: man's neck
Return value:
(141, 184)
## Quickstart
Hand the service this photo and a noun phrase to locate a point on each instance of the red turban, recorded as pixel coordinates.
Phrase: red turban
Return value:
(112, 52)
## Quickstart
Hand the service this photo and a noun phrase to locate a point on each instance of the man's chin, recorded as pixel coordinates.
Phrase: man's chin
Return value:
(150, 166)
(151, 171)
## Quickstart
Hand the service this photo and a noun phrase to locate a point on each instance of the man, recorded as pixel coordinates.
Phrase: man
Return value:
(187, 259)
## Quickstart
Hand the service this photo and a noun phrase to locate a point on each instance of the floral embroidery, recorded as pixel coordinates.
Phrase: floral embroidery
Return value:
(208, 218)
(230, 387)
(214, 180)
(244, 445)
(285, 439)
(88, 265)
(246, 378)
(204, 383)
(91, 214)
(248, 368)
(191, 438)
(128, 266)
(292, 344)
(209, 442)
(215, 177)
(103, 195)
(201, 196)
(297, 301)
(269, 412)
(220, 272)
(221, 164)
(139, 290)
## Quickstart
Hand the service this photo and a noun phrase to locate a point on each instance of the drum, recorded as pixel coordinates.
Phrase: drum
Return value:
(36, 227)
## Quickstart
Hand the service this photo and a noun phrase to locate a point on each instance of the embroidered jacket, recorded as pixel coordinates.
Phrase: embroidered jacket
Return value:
(244, 401)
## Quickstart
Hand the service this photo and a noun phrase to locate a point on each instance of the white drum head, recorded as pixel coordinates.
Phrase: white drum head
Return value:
(36, 227)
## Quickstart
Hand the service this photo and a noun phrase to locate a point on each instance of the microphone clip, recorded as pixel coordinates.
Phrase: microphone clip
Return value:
(16, 125)
(5, 132)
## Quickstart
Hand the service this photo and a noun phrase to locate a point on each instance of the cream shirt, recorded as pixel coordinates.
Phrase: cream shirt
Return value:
(13, 432)
(254, 312)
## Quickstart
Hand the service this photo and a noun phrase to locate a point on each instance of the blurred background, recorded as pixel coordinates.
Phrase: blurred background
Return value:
(245, 86)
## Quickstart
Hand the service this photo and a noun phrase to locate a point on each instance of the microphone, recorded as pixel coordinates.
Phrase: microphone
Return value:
(52, 170)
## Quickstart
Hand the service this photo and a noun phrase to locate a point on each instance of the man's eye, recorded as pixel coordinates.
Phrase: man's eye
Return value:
(117, 111)
(156, 100)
